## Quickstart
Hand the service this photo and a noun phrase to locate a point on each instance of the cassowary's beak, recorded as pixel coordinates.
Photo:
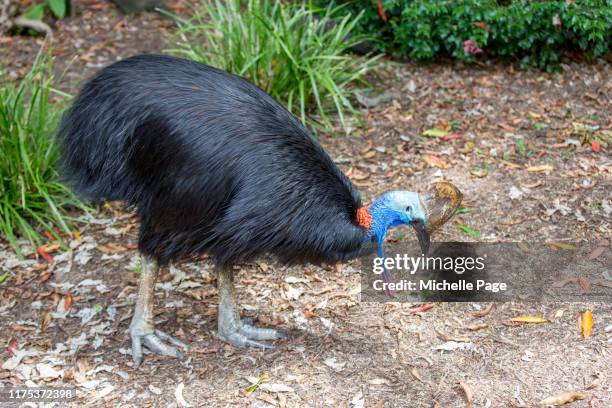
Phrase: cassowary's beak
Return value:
(422, 234)
(440, 204)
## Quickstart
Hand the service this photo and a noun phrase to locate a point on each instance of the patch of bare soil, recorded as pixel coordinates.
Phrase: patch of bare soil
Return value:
(97, 35)
(527, 150)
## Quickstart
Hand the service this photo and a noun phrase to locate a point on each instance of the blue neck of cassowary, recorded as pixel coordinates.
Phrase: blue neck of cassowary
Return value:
(392, 209)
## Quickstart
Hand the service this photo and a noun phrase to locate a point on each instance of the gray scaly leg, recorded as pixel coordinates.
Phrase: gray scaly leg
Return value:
(142, 328)
(230, 328)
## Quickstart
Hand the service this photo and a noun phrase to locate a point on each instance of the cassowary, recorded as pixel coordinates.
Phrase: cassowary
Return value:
(215, 165)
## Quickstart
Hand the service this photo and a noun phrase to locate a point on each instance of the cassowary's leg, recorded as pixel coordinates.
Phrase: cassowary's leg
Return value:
(142, 328)
(230, 328)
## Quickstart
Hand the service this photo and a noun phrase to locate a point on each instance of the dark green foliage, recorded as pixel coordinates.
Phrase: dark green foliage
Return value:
(59, 9)
(283, 48)
(31, 197)
(536, 32)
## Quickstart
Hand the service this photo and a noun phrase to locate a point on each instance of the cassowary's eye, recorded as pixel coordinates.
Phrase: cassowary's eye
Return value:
(408, 209)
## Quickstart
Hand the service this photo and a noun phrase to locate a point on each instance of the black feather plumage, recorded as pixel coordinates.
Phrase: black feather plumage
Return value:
(212, 163)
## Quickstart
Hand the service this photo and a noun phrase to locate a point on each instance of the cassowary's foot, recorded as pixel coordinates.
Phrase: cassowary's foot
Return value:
(247, 335)
(239, 333)
(142, 328)
(145, 334)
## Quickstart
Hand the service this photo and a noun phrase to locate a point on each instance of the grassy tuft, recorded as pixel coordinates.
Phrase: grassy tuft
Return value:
(32, 200)
(293, 52)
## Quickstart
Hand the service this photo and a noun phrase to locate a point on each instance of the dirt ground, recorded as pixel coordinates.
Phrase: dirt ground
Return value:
(527, 150)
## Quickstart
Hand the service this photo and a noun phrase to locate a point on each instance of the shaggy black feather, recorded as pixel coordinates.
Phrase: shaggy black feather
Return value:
(212, 163)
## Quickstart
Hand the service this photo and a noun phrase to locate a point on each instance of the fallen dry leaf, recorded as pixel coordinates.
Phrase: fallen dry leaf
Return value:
(560, 245)
(469, 394)
(436, 132)
(369, 154)
(480, 173)
(522, 246)
(266, 398)
(467, 148)
(45, 276)
(42, 251)
(483, 312)
(421, 308)
(201, 293)
(51, 248)
(12, 347)
(510, 164)
(540, 169)
(562, 283)
(527, 319)
(178, 395)
(415, 374)
(435, 161)
(586, 323)
(45, 321)
(563, 398)
(67, 302)
(360, 175)
(597, 252)
(446, 337)
(602, 282)
(452, 137)
(477, 326)
(367, 148)
(584, 284)
(166, 277)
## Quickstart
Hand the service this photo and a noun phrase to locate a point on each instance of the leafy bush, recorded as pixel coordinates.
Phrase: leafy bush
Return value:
(59, 8)
(295, 56)
(31, 198)
(537, 32)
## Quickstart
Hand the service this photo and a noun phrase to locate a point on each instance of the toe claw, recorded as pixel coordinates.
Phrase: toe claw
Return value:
(240, 341)
(136, 351)
(247, 335)
(156, 345)
(256, 344)
(166, 337)
(154, 342)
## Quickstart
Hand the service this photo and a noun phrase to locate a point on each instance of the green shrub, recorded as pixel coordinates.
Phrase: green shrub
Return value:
(59, 9)
(295, 56)
(536, 32)
(31, 198)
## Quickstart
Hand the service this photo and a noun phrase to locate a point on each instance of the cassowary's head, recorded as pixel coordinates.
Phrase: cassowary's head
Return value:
(424, 212)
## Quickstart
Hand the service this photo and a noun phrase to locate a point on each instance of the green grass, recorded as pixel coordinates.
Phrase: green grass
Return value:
(470, 231)
(32, 200)
(463, 210)
(283, 49)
